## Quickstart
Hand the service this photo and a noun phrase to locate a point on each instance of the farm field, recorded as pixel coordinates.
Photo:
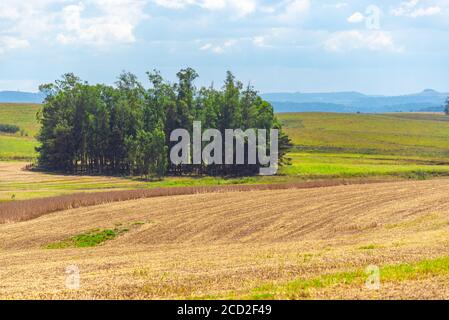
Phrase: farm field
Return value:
(227, 158)
(17, 148)
(327, 146)
(20, 146)
(276, 244)
(294, 243)
(409, 134)
(312, 165)
(19, 184)
(23, 115)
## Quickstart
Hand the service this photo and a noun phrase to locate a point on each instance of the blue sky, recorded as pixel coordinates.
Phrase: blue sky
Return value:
(376, 47)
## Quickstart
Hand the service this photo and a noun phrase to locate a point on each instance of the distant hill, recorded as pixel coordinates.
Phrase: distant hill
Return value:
(427, 100)
(309, 107)
(20, 97)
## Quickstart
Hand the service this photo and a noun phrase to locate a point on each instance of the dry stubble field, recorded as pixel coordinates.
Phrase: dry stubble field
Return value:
(274, 244)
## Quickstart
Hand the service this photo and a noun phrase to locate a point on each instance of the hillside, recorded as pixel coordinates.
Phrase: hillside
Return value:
(296, 243)
(416, 134)
(303, 244)
(22, 115)
(20, 146)
(427, 100)
(411, 134)
(327, 145)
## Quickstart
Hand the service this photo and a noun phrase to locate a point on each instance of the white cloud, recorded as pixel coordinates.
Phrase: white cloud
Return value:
(174, 4)
(8, 43)
(355, 40)
(295, 10)
(26, 19)
(267, 9)
(429, 11)
(115, 22)
(337, 5)
(259, 41)
(91, 22)
(241, 8)
(207, 46)
(213, 4)
(356, 17)
(404, 8)
(229, 43)
(9, 12)
(410, 9)
(220, 48)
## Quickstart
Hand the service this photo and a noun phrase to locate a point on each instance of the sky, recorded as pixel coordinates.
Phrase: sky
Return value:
(374, 47)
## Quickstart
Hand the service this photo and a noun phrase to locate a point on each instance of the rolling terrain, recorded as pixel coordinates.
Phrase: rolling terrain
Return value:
(409, 134)
(20, 146)
(427, 100)
(295, 244)
(327, 145)
(290, 243)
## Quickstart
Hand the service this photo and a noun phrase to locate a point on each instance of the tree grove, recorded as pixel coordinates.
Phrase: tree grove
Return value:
(125, 129)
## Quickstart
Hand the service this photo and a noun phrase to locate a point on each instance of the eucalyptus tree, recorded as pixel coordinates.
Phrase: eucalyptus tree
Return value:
(125, 128)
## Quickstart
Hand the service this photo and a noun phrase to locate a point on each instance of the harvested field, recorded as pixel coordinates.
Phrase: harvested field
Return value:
(15, 211)
(294, 243)
(21, 184)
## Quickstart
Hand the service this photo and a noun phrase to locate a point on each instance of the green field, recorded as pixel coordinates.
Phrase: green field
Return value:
(418, 134)
(20, 146)
(17, 148)
(347, 165)
(327, 145)
(410, 145)
(23, 116)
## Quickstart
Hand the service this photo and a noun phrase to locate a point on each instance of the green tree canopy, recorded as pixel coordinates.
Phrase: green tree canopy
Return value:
(125, 128)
